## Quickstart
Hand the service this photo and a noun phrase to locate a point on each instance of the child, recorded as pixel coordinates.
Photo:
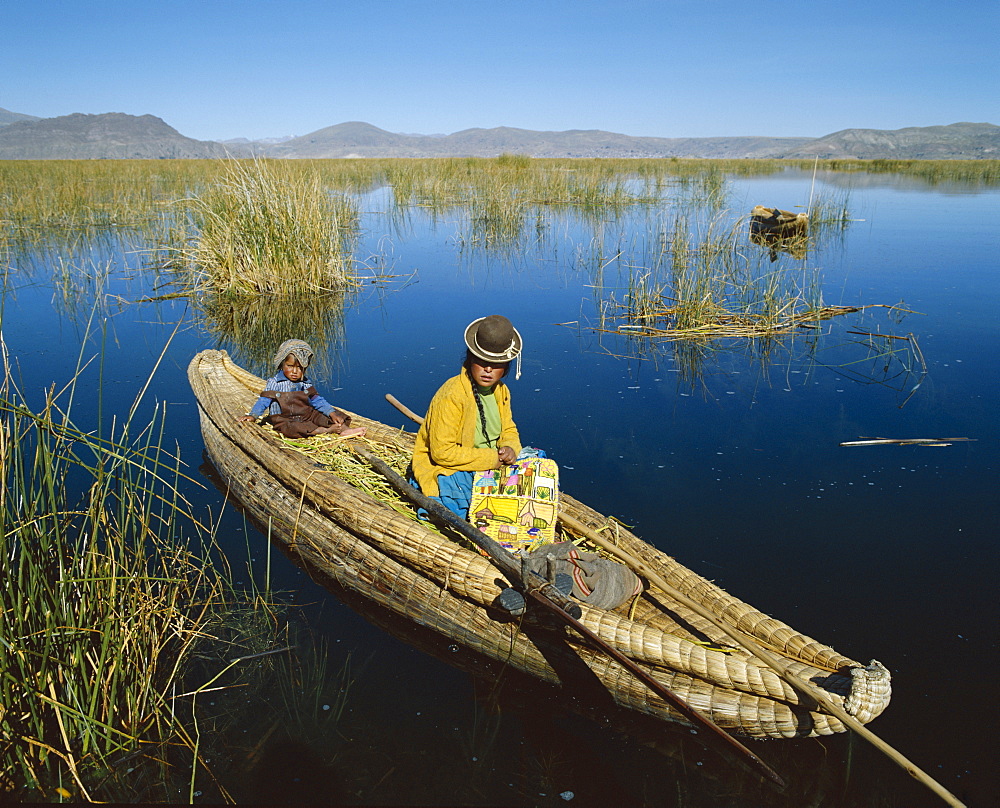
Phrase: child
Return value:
(293, 406)
(469, 427)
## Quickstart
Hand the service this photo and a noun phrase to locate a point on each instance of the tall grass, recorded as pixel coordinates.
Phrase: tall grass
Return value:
(113, 617)
(90, 194)
(259, 231)
(101, 606)
(712, 283)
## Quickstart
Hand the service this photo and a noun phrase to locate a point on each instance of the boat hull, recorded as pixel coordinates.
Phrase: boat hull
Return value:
(339, 533)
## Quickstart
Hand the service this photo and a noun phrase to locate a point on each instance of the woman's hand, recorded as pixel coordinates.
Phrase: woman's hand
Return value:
(507, 455)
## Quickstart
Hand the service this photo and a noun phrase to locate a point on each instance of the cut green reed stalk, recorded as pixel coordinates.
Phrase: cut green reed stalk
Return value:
(262, 230)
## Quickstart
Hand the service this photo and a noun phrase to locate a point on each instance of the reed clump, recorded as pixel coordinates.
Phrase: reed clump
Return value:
(260, 231)
(713, 283)
(110, 601)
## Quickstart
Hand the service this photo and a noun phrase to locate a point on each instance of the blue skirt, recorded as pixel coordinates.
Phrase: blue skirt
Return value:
(455, 493)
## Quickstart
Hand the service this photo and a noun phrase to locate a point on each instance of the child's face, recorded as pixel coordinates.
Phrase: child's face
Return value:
(292, 369)
(486, 374)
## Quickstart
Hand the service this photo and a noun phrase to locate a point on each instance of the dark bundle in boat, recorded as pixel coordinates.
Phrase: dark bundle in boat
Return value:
(378, 550)
(776, 222)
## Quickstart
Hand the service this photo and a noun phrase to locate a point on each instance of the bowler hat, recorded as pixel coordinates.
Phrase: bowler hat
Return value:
(493, 339)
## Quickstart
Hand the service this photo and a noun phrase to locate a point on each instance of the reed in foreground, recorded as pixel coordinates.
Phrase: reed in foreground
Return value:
(112, 620)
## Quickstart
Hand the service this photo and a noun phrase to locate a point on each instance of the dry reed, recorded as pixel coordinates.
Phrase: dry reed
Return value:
(259, 231)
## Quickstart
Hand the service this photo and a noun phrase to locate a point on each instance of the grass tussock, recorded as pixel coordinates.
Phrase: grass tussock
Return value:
(710, 281)
(259, 231)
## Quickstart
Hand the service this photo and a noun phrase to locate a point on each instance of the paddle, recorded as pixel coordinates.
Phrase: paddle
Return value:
(541, 592)
(746, 642)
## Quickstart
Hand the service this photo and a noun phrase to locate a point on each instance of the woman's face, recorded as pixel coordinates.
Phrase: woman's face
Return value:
(292, 369)
(485, 373)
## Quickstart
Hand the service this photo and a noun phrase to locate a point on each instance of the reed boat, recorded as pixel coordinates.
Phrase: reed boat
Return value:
(777, 222)
(377, 549)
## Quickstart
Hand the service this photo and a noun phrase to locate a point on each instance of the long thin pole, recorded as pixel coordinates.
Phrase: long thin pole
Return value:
(812, 187)
(544, 594)
(747, 643)
(771, 660)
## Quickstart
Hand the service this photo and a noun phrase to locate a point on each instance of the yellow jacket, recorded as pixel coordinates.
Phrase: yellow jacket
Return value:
(445, 440)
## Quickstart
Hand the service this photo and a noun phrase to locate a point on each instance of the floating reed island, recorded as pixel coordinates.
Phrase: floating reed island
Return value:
(722, 324)
(336, 517)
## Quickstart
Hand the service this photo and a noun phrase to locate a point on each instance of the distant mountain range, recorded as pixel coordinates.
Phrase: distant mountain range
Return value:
(357, 139)
(111, 136)
(115, 135)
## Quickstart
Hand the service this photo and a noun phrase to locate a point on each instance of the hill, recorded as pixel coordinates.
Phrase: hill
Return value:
(358, 139)
(965, 141)
(113, 135)
(6, 117)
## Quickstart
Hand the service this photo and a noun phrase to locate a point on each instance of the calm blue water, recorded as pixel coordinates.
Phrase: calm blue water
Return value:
(731, 463)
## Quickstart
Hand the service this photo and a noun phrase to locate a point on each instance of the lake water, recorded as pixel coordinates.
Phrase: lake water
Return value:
(727, 458)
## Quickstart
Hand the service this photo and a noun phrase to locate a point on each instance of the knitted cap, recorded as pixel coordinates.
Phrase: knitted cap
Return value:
(294, 347)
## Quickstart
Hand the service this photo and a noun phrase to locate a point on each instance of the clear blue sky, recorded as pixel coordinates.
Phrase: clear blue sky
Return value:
(257, 68)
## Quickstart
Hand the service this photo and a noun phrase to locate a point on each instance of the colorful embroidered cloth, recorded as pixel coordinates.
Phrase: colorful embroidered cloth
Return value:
(517, 505)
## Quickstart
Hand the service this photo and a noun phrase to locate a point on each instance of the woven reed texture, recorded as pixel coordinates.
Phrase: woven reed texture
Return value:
(414, 571)
(774, 634)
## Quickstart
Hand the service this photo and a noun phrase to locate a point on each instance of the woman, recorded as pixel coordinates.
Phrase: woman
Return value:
(469, 427)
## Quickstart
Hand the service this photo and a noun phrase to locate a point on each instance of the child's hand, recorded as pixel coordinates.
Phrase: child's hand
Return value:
(247, 418)
(507, 455)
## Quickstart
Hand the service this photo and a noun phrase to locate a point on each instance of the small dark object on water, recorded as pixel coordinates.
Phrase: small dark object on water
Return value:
(778, 222)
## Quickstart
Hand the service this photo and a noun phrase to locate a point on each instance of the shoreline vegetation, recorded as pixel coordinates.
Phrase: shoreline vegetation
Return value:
(146, 194)
(256, 243)
(223, 232)
(123, 639)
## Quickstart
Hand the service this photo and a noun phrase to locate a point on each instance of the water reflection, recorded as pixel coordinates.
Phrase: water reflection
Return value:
(797, 246)
(745, 480)
(250, 327)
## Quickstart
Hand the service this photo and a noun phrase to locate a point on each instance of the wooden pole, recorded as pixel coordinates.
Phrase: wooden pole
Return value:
(540, 591)
(746, 642)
